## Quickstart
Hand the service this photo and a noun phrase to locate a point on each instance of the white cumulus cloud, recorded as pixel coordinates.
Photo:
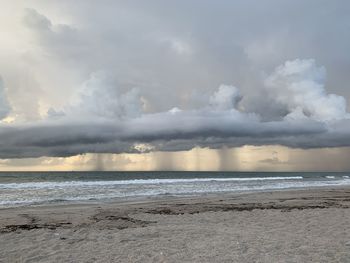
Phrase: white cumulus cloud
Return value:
(300, 85)
(4, 104)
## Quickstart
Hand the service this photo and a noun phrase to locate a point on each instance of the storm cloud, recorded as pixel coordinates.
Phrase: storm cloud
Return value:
(128, 77)
(102, 120)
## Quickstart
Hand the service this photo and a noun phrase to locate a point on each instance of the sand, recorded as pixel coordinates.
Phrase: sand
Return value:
(280, 226)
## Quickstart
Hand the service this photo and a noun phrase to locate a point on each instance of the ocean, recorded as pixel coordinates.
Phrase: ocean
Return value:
(37, 188)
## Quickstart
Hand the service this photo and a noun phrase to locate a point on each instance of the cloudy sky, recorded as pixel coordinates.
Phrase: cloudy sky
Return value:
(174, 85)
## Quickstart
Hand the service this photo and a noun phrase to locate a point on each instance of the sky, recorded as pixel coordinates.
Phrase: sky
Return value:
(175, 85)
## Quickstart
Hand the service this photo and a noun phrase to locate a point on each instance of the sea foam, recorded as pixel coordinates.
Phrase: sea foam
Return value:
(136, 181)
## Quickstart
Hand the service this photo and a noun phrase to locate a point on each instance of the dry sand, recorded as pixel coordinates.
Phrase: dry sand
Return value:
(288, 226)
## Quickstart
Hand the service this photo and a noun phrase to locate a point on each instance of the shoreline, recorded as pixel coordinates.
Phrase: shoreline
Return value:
(64, 232)
(151, 198)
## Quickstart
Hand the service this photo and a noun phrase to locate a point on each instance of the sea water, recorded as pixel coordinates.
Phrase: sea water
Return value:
(34, 188)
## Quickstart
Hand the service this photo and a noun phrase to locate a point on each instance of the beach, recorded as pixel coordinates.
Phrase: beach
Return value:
(174, 131)
(308, 225)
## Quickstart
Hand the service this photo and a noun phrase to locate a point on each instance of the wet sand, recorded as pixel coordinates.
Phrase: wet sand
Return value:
(279, 226)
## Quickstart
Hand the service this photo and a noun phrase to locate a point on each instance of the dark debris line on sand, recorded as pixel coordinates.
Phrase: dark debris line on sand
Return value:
(103, 219)
(13, 228)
